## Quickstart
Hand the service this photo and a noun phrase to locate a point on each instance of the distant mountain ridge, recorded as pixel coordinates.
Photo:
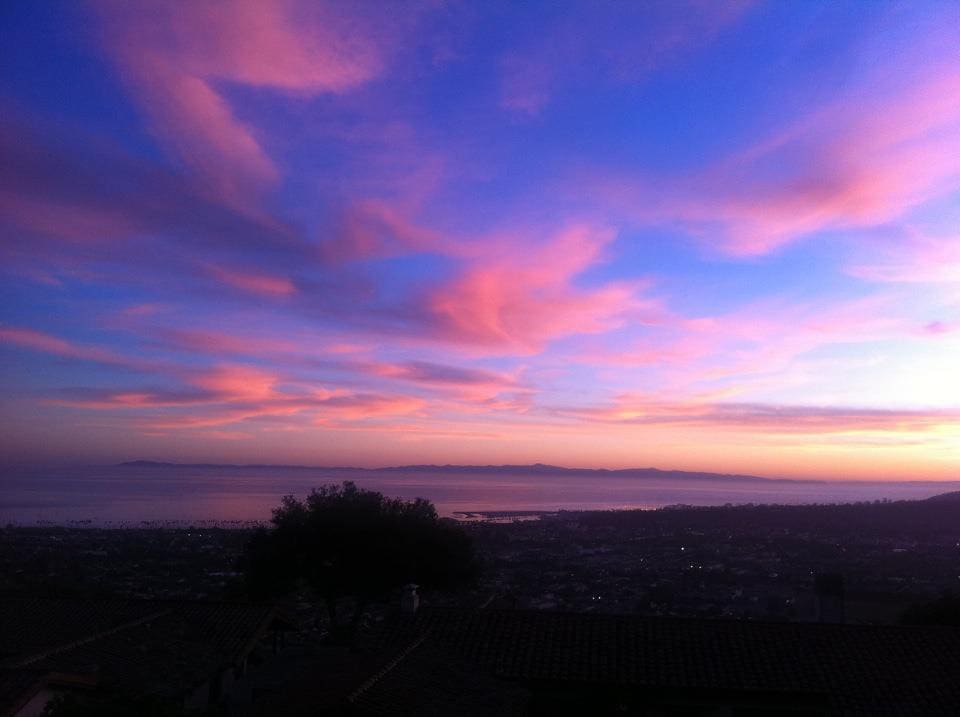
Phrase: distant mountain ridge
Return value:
(528, 469)
(952, 496)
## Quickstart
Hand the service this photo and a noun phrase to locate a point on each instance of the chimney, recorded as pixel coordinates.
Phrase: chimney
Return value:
(409, 600)
(830, 593)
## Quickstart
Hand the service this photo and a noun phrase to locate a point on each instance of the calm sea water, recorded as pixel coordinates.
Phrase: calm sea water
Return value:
(111, 495)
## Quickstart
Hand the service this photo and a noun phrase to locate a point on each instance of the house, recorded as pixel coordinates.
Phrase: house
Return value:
(455, 662)
(189, 652)
(549, 663)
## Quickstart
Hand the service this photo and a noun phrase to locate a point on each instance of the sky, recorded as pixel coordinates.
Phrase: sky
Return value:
(717, 236)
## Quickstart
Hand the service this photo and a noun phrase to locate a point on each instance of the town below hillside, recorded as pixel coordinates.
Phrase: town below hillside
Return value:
(752, 562)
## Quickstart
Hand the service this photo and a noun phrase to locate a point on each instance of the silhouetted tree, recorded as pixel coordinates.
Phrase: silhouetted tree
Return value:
(347, 542)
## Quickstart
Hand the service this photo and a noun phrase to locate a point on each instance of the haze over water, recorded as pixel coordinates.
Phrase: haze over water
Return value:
(123, 494)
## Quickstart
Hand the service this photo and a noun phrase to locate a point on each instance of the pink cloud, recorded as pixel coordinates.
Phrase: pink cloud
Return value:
(936, 328)
(200, 126)
(862, 166)
(292, 410)
(229, 435)
(223, 384)
(913, 258)
(520, 295)
(455, 387)
(346, 348)
(33, 340)
(882, 147)
(763, 346)
(766, 338)
(441, 374)
(144, 309)
(219, 416)
(177, 56)
(254, 283)
(239, 383)
(233, 394)
(75, 222)
(649, 351)
(375, 229)
(141, 398)
(345, 360)
(47, 343)
(767, 418)
(218, 343)
(79, 196)
(362, 406)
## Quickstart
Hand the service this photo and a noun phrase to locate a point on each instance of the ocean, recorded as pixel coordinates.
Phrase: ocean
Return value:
(125, 495)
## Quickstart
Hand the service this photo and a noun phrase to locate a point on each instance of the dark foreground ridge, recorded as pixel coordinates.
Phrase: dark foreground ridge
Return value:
(600, 613)
(530, 469)
(187, 652)
(612, 664)
(461, 661)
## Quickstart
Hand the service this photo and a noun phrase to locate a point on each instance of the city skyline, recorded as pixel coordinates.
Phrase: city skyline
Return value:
(699, 236)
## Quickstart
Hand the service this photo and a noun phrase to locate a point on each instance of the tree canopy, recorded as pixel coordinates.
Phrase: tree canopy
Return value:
(347, 542)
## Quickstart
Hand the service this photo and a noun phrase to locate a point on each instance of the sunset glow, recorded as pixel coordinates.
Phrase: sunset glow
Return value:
(714, 236)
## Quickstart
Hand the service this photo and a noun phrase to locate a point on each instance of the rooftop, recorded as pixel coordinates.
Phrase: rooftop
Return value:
(847, 669)
(139, 646)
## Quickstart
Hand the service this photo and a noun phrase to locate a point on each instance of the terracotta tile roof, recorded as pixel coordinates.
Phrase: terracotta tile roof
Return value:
(230, 628)
(310, 680)
(426, 679)
(856, 669)
(31, 626)
(421, 678)
(145, 646)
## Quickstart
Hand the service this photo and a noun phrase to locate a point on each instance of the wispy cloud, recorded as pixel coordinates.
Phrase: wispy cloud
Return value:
(48, 343)
(178, 59)
(913, 257)
(522, 294)
(616, 43)
(863, 156)
(590, 231)
(255, 283)
(765, 418)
